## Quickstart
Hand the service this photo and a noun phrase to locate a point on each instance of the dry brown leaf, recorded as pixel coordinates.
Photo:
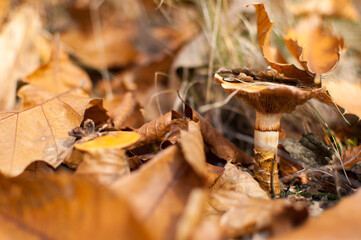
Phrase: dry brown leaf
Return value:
(339, 222)
(234, 179)
(218, 144)
(35, 170)
(124, 111)
(155, 130)
(242, 207)
(12, 230)
(18, 51)
(327, 8)
(316, 48)
(104, 159)
(344, 94)
(159, 190)
(39, 132)
(59, 75)
(118, 45)
(4, 10)
(65, 207)
(192, 225)
(264, 31)
(275, 216)
(351, 157)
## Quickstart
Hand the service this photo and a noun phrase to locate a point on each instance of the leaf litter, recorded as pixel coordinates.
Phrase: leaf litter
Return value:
(147, 165)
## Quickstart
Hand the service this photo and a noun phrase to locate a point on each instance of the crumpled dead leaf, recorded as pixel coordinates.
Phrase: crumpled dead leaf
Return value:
(18, 51)
(326, 8)
(124, 111)
(344, 94)
(155, 130)
(104, 159)
(218, 144)
(60, 75)
(351, 157)
(114, 48)
(49, 208)
(316, 48)
(234, 179)
(339, 222)
(242, 207)
(40, 132)
(264, 31)
(166, 194)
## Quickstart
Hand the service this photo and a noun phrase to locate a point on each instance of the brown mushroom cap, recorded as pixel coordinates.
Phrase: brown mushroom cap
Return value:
(265, 96)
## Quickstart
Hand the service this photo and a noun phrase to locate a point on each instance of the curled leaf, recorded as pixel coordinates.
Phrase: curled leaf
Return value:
(264, 31)
(166, 182)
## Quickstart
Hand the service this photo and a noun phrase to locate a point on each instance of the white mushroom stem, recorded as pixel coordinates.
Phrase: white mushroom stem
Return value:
(266, 136)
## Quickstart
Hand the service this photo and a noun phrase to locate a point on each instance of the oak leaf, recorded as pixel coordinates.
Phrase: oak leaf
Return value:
(65, 207)
(59, 75)
(166, 182)
(40, 132)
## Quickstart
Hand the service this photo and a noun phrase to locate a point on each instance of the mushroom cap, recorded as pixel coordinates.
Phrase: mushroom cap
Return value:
(266, 92)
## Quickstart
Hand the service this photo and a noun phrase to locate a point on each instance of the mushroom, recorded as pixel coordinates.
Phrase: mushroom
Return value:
(270, 95)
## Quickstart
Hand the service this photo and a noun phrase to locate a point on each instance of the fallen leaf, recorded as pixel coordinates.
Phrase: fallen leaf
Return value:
(10, 227)
(351, 157)
(274, 217)
(339, 222)
(242, 207)
(155, 130)
(37, 169)
(327, 8)
(264, 30)
(4, 10)
(59, 75)
(64, 207)
(104, 159)
(18, 50)
(124, 111)
(167, 193)
(113, 48)
(316, 48)
(218, 144)
(39, 132)
(344, 94)
(234, 179)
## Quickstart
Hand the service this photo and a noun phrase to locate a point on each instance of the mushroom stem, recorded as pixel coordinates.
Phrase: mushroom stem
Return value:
(266, 135)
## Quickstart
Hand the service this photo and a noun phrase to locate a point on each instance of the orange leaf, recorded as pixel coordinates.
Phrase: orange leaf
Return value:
(39, 132)
(59, 75)
(64, 207)
(264, 30)
(159, 190)
(314, 46)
